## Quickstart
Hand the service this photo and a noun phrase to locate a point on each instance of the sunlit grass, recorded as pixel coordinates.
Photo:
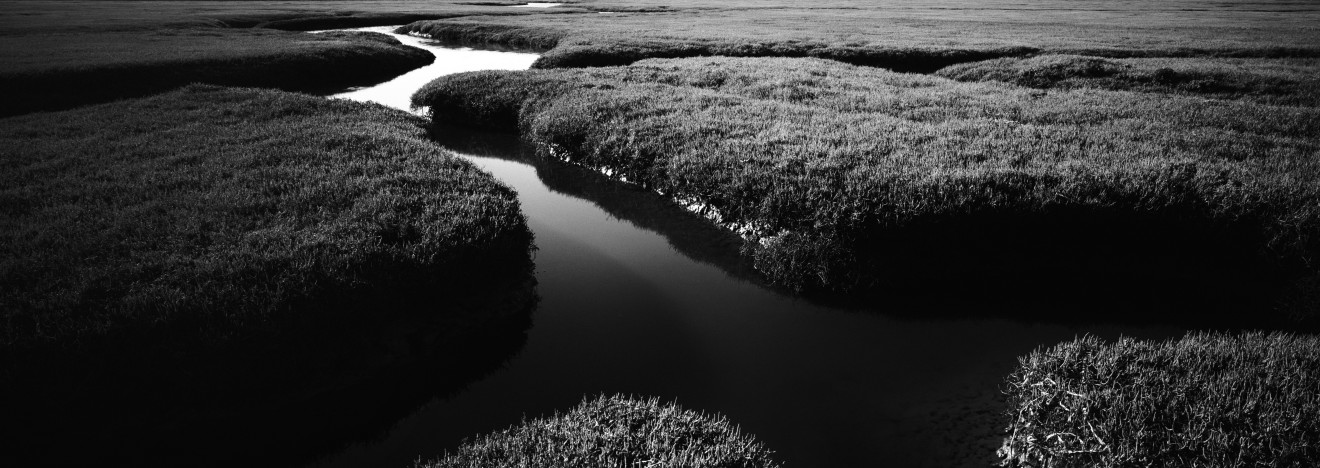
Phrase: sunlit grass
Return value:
(63, 71)
(820, 162)
(615, 431)
(910, 36)
(1204, 400)
(1269, 81)
(210, 214)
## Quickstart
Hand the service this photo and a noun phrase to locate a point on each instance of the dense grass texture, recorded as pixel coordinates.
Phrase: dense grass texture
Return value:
(215, 213)
(59, 55)
(836, 172)
(40, 17)
(50, 51)
(563, 49)
(1207, 399)
(614, 431)
(80, 69)
(917, 36)
(1269, 81)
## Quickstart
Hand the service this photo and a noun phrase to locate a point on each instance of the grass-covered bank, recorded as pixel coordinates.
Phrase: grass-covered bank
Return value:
(240, 245)
(222, 208)
(692, 235)
(1203, 400)
(913, 36)
(563, 49)
(59, 55)
(615, 431)
(87, 68)
(1269, 81)
(849, 178)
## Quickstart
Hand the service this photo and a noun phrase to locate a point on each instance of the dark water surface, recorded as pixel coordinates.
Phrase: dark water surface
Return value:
(640, 297)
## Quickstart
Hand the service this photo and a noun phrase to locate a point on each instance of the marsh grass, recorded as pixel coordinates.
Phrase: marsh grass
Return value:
(1207, 399)
(526, 38)
(564, 49)
(215, 213)
(180, 267)
(848, 178)
(1268, 81)
(91, 68)
(38, 17)
(344, 19)
(611, 432)
(914, 37)
(692, 235)
(59, 55)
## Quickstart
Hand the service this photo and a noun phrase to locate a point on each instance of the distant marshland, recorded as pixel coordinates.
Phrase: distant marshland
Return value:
(267, 276)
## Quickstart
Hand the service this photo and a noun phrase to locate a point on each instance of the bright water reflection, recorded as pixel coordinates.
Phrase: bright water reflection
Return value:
(633, 301)
(396, 92)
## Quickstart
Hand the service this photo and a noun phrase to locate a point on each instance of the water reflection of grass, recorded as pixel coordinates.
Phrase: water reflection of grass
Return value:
(688, 233)
(615, 432)
(235, 249)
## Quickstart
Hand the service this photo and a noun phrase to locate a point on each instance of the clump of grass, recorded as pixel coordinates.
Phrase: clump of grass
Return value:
(839, 175)
(1271, 81)
(1204, 400)
(612, 432)
(52, 72)
(212, 214)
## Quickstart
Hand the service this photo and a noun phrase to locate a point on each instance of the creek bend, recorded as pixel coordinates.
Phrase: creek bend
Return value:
(639, 296)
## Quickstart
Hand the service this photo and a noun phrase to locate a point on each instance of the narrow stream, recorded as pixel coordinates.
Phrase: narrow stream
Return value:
(640, 297)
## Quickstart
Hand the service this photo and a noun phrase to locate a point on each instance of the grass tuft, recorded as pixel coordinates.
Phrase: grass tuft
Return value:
(615, 431)
(1207, 399)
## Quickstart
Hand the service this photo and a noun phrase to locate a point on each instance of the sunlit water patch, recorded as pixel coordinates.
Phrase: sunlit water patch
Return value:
(396, 92)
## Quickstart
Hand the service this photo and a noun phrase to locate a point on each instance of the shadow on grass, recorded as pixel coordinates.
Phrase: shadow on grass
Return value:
(347, 372)
(1078, 268)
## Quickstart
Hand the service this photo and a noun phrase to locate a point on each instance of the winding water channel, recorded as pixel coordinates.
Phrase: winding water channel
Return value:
(640, 297)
